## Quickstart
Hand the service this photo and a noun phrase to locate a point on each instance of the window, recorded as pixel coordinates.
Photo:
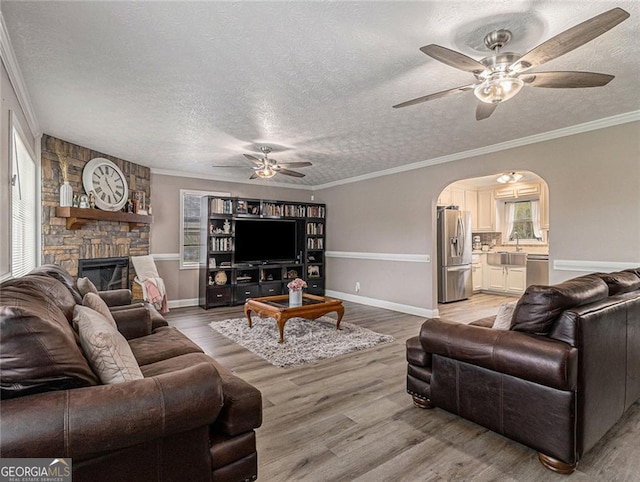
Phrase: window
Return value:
(191, 226)
(24, 204)
(522, 220)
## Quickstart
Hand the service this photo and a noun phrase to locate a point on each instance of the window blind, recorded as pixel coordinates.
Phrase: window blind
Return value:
(23, 209)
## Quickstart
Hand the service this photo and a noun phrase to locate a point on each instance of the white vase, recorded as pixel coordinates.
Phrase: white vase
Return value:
(295, 298)
(66, 194)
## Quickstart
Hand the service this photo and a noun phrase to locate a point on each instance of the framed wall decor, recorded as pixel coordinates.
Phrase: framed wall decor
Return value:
(139, 200)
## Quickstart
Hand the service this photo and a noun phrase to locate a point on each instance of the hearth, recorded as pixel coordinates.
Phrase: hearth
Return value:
(105, 273)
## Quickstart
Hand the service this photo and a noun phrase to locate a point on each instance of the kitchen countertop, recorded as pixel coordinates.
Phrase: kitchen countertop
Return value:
(512, 249)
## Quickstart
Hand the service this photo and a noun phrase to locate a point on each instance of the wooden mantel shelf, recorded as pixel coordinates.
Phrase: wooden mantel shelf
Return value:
(78, 217)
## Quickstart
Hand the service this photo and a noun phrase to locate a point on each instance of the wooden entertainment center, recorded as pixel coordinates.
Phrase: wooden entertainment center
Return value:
(226, 281)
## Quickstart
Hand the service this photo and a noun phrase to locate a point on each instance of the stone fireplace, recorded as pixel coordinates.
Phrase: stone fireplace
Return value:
(96, 239)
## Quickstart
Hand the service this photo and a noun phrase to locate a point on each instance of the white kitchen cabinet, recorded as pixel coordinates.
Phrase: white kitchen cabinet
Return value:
(458, 199)
(495, 278)
(507, 192)
(486, 212)
(515, 279)
(471, 205)
(517, 191)
(477, 271)
(506, 279)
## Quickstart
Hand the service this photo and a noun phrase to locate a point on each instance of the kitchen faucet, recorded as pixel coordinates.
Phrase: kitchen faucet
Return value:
(517, 236)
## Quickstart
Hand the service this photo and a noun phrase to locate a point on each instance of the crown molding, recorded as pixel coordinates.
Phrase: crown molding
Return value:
(16, 79)
(523, 141)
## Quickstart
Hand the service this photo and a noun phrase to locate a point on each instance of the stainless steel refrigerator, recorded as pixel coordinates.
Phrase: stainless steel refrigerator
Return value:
(454, 255)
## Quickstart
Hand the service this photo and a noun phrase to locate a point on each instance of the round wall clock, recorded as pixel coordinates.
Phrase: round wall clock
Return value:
(108, 183)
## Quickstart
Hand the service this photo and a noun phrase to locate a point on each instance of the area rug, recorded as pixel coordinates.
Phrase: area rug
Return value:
(305, 341)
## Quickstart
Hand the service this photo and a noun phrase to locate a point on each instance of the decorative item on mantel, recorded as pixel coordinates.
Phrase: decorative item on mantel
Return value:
(295, 291)
(66, 191)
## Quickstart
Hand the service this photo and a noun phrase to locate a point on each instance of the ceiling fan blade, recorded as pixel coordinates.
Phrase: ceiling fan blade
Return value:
(295, 164)
(254, 159)
(253, 176)
(287, 172)
(566, 80)
(484, 110)
(233, 167)
(571, 39)
(453, 58)
(437, 95)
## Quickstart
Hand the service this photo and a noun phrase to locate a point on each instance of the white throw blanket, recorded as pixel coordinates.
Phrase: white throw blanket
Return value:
(153, 288)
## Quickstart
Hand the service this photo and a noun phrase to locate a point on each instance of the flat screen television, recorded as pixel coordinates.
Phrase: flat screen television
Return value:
(265, 240)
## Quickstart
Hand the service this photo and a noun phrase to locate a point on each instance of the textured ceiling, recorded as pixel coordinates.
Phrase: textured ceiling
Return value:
(184, 85)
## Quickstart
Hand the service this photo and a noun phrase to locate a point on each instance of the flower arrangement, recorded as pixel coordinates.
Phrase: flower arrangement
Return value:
(63, 162)
(297, 284)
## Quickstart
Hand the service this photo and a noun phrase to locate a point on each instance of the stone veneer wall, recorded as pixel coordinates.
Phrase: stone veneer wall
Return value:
(96, 239)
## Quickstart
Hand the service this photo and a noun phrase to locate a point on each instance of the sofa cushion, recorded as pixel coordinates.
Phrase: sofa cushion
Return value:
(163, 343)
(242, 408)
(93, 301)
(540, 306)
(107, 350)
(621, 282)
(39, 351)
(85, 285)
(504, 317)
(57, 272)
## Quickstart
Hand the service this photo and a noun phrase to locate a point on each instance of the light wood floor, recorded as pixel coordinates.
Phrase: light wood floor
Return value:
(350, 418)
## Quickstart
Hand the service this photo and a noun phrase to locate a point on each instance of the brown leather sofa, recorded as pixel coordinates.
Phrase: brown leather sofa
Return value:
(561, 376)
(189, 418)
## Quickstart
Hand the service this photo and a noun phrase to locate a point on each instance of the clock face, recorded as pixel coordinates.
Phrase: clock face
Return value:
(107, 182)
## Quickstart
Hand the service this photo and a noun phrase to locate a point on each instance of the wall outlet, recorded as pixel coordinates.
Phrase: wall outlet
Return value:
(357, 286)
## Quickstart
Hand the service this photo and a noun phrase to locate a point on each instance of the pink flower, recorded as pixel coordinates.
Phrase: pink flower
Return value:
(297, 284)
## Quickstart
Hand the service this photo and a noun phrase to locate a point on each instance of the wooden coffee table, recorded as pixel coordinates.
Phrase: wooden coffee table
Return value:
(278, 308)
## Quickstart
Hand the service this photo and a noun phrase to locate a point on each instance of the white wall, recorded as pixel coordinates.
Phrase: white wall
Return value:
(594, 191)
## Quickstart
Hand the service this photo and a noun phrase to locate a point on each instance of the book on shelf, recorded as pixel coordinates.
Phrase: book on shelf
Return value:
(316, 211)
(221, 206)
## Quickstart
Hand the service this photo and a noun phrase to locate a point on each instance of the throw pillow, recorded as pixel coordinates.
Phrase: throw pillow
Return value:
(93, 301)
(109, 354)
(85, 285)
(504, 316)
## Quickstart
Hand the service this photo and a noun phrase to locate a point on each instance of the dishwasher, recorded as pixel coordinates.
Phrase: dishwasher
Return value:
(537, 269)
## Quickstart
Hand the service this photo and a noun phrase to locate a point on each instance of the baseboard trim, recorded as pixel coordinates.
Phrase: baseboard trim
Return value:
(389, 305)
(183, 303)
(592, 266)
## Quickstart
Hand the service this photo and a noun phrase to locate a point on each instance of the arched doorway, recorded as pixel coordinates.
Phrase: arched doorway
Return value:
(510, 216)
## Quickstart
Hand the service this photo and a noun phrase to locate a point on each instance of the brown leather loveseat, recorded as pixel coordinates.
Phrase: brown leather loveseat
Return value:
(557, 380)
(185, 417)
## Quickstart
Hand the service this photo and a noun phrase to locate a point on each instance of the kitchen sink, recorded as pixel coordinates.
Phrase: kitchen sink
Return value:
(504, 258)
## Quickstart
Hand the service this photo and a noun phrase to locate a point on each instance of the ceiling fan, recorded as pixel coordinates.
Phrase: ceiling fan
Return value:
(267, 167)
(500, 76)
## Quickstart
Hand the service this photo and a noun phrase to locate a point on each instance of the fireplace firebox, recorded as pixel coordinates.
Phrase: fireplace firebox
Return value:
(105, 273)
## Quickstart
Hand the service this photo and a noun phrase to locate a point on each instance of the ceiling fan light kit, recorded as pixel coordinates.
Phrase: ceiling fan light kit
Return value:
(266, 168)
(499, 89)
(509, 177)
(266, 172)
(499, 76)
